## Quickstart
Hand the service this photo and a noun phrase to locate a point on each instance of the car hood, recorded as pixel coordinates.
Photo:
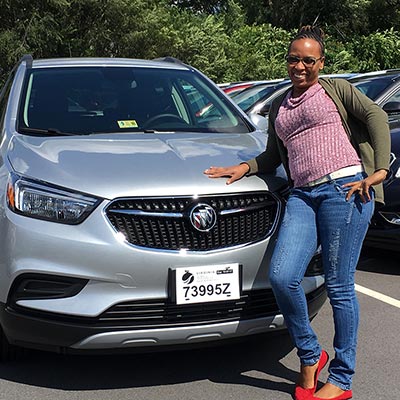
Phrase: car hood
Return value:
(117, 165)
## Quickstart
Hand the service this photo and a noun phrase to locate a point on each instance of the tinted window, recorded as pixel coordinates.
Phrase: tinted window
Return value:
(373, 87)
(249, 97)
(117, 99)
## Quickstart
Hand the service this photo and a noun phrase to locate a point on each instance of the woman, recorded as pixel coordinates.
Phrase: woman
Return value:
(334, 143)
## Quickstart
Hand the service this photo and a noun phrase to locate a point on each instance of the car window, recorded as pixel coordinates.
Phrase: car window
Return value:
(392, 106)
(248, 97)
(373, 87)
(395, 97)
(120, 99)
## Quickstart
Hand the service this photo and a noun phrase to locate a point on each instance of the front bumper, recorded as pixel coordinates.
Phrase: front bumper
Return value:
(66, 335)
(118, 273)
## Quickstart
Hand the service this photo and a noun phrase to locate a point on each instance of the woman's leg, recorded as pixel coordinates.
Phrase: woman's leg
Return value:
(295, 246)
(342, 226)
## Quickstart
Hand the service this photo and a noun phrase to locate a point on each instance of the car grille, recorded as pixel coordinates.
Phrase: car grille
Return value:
(167, 223)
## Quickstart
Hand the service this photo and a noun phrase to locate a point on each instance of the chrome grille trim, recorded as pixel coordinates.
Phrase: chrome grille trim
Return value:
(164, 223)
(148, 214)
(239, 210)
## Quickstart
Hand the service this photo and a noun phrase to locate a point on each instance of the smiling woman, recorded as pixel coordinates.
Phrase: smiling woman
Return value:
(305, 59)
(334, 144)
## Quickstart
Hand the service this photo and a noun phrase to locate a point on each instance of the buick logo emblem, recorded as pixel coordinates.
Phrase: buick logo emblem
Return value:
(203, 217)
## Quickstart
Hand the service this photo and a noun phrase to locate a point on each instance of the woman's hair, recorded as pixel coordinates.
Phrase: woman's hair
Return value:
(311, 32)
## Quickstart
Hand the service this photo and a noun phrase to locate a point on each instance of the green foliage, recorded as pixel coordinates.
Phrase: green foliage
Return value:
(383, 14)
(202, 42)
(338, 58)
(380, 50)
(228, 40)
(258, 52)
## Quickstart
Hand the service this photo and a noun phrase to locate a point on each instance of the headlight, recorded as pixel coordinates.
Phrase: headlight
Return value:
(38, 200)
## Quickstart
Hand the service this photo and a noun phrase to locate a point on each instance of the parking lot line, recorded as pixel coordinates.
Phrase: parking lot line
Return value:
(378, 296)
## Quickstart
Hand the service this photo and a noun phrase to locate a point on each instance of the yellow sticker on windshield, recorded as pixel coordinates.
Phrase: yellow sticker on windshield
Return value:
(129, 123)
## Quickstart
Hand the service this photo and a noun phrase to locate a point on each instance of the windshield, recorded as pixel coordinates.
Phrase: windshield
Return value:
(85, 100)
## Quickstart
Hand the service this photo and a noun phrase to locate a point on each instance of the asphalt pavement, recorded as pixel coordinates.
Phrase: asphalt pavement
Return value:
(260, 368)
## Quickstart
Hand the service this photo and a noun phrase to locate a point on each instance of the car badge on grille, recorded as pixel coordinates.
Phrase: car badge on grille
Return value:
(203, 217)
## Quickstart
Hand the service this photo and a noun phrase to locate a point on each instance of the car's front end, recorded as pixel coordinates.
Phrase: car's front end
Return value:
(113, 238)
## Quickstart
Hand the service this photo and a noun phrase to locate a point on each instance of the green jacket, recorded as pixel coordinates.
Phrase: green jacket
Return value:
(365, 122)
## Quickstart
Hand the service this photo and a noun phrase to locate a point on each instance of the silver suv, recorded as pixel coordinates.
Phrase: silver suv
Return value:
(111, 235)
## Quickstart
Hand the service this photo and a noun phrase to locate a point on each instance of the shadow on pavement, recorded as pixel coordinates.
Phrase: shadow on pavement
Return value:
(228, 363)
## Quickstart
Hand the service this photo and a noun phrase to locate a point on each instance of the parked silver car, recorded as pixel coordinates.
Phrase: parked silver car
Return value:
(111, 235)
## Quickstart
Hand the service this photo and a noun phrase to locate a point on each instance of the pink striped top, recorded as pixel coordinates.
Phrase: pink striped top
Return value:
(311, 130)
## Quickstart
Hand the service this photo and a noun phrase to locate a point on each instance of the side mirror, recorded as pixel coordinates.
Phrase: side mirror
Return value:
(259, 121)
(392, 107)
(265, 110)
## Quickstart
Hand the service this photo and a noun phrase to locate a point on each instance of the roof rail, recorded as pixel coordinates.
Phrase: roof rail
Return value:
(28, 59)
(169, 59)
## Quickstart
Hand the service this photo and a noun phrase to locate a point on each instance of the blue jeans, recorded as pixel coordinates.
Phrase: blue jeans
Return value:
(321, 215)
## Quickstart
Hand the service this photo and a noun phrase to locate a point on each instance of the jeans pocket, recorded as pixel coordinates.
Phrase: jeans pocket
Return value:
(339, 188)
(338, 183)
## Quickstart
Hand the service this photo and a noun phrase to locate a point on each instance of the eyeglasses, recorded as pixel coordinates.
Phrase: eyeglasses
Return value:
(307, 61)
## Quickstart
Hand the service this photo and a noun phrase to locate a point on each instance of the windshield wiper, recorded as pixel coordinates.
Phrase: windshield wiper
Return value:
(46, 132)
(126, 131)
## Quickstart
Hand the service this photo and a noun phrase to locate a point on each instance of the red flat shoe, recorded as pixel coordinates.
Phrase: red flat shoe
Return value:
(346, 395)
(301, 393)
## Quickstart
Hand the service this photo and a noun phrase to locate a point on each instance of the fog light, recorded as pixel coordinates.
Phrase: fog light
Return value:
(41, 286)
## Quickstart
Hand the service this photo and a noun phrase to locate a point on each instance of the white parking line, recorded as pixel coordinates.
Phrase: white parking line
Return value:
(378, 296)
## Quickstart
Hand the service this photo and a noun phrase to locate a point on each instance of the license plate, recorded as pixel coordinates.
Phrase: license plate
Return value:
(207, 283)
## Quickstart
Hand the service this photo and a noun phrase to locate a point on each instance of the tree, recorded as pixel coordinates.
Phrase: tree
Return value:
(388, 16)
(226, 39)
(201, 6)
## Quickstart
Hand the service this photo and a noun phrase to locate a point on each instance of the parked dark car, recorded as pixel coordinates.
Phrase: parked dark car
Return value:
(384, 231)
(384, 88)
